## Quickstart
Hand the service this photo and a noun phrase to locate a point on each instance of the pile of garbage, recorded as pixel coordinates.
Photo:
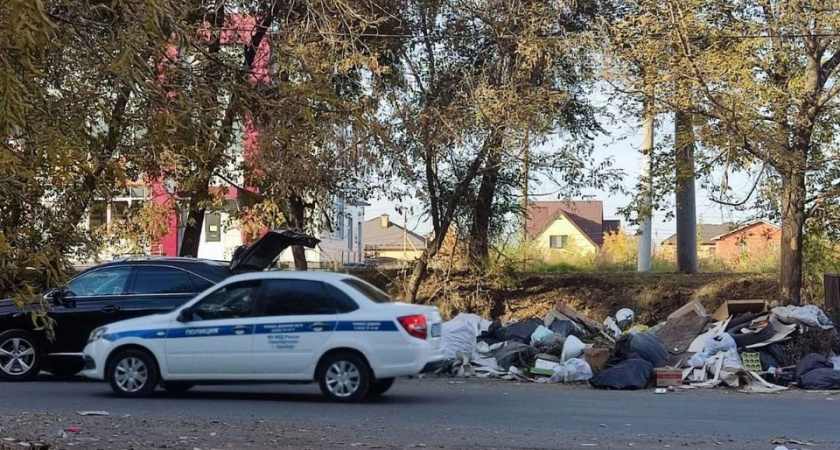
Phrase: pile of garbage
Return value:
(745, 344)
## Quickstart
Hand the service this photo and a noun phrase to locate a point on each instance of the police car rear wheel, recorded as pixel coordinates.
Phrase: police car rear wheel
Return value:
(20, 357)
(344, 377)
(133, 373)
(379, 387)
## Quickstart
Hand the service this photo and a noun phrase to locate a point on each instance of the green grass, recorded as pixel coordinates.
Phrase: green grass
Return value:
(561, 267)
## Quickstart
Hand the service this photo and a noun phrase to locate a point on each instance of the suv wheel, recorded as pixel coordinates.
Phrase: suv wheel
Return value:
(133, 373)
(379, 387)
(344, 377)
(20, 356)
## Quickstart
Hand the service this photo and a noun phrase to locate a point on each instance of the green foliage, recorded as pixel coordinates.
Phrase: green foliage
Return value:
(761, 81)
(821, 256)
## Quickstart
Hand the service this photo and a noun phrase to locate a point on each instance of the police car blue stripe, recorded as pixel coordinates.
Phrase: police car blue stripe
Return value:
(142, 334)
(263, 328)
(295, 327)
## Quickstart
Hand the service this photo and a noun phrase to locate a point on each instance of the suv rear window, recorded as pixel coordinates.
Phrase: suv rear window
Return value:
(368, 290)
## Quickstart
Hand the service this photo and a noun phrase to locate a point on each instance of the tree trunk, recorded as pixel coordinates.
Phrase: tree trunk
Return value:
(417, 276)
(218, 147)
(419, 272)
(685, 193)
(793, 223)
(298, 219)
(83, 195)
(483, 211)
(192, 231)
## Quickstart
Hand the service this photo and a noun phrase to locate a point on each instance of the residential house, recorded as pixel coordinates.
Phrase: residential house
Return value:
(748, 240)
(732, 241)
(706, 234)
(340, 245)
(567, 225)
(387, 242)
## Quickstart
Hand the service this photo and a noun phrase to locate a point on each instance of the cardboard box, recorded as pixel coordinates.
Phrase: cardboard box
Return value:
(735, 307)
(596, 358)
(668, 377)
(692, 307)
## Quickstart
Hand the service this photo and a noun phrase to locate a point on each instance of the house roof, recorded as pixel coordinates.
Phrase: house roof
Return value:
(744, 227)
(588, 216)
(708, 233)
(391, 237)
(611, 226)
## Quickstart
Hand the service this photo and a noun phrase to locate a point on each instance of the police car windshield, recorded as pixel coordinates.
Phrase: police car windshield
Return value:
(368, 290)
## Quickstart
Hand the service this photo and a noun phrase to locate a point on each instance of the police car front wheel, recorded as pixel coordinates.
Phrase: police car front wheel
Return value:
(133, 373)
(344, 377)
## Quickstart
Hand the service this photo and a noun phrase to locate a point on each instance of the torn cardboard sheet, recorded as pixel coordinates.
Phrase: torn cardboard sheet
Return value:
(754, 384)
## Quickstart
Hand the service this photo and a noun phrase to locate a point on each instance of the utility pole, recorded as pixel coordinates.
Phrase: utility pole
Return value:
(685, 193)
(646, 226)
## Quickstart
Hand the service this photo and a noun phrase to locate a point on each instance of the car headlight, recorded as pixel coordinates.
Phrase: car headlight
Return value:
(97, 334)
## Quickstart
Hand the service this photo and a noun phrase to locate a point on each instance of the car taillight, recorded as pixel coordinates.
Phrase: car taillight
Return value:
(414, 325)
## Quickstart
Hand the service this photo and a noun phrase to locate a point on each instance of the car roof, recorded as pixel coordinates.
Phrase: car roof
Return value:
(291, 274)
(215, 270)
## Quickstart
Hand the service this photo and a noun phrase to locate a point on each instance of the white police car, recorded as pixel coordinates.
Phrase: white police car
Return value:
(272, 326)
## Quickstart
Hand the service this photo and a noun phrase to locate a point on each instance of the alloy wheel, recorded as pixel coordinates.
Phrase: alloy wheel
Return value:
(131, 374)
(343, 379)
(17, 356)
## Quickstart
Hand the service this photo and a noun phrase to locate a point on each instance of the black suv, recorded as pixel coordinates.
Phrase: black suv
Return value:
(118, 290)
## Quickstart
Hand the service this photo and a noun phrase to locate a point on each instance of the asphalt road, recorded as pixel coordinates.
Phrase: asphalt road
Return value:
(470, 413)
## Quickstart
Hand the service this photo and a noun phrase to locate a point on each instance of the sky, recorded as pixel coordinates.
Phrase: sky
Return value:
(621, 142)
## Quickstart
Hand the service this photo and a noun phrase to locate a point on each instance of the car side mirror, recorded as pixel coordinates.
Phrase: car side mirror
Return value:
(60, 297)
(185, 315)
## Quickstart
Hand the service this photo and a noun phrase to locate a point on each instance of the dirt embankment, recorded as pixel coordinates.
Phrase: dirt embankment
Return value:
(651, 296)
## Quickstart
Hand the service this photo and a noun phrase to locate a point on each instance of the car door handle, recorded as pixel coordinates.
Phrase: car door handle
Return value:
(110, 309)
(318, 326)
(242, 329)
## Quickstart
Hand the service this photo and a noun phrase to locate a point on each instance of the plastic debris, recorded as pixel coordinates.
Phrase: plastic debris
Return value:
(540, 334)
(572, 371)
(93, 413)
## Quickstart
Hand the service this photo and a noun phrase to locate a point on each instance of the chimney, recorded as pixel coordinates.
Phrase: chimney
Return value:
(385, 221)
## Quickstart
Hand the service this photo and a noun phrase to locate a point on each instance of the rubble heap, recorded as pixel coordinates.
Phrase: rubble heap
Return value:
(744, 344)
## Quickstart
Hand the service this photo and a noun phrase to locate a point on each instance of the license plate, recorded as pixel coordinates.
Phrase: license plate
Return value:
(435, 330)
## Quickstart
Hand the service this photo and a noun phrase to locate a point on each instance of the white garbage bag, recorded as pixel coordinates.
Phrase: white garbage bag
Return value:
(723, 343)
(809, 315)
(459, 335)
(540, 334)
(571, 371)
(720, 343)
